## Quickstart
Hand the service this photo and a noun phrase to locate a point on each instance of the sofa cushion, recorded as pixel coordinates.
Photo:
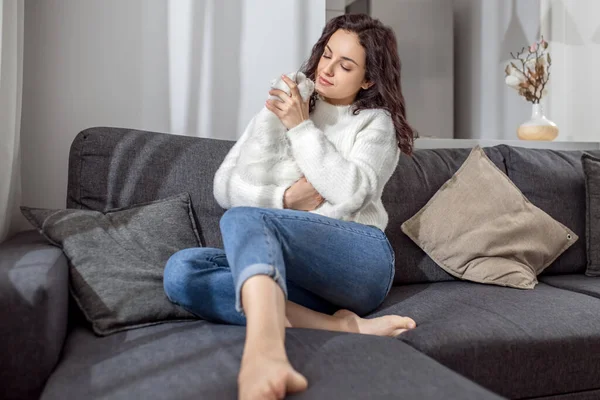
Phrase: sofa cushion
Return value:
(517, 343)
(553, 180)
(33, 313)
(412, 185)
(479, 227)
(200, 360)
(116, 167)
(117, 258)
(591, 169)
(575, 282)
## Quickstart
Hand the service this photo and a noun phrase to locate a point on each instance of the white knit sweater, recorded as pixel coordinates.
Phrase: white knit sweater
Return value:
(347, 158)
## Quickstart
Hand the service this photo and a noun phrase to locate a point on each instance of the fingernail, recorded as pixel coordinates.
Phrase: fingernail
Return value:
(411, 325)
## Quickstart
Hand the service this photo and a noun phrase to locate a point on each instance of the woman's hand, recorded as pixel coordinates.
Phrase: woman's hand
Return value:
(291, 110)
(302, 196)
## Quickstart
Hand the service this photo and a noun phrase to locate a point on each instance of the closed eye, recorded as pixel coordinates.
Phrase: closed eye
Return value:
(344, 68)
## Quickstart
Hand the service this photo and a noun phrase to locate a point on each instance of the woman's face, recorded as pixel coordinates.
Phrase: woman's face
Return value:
(341, 70)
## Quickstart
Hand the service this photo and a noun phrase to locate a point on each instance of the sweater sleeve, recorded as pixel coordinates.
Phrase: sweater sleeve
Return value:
(230, 189)
(350, 181)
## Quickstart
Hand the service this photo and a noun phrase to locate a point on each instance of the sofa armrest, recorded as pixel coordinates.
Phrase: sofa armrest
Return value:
(33, 313)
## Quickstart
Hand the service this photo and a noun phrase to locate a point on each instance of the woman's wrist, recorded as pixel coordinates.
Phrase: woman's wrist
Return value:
(299, 125)
(285, 204)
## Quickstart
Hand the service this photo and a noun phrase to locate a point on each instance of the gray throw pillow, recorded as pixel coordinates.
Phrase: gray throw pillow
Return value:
(117, 258)
(591, 169)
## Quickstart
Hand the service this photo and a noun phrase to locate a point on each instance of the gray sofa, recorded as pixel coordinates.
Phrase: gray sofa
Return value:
(473, 341)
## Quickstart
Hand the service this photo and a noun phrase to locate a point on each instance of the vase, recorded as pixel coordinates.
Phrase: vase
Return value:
(538, 127)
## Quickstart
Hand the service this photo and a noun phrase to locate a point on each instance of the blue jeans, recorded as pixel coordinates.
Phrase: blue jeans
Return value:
(320, 263)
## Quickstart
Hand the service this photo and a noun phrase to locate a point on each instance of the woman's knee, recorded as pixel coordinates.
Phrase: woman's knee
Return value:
(238, 217)
(182, 264)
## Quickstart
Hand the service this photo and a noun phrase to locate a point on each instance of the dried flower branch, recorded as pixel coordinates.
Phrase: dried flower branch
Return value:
(531, 78)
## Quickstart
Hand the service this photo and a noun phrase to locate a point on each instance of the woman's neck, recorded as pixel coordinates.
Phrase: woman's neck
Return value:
(330, 112)
(334, 102)
(339, 102)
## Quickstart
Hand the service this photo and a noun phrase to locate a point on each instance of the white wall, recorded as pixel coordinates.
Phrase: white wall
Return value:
(116, 63)
(573, 30)
(485, 34)
(86, 63)
(334, 8)
(423, 30)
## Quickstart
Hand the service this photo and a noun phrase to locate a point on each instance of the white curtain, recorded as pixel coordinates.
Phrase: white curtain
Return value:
(222, 54)
(11, 73)
(572, 28)
(485, 34)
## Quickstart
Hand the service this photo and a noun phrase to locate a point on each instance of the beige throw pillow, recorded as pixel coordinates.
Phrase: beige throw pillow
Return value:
(480, 227)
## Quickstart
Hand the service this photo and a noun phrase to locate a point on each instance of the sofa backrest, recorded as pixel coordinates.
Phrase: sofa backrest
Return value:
(115, 167)
(553, 180)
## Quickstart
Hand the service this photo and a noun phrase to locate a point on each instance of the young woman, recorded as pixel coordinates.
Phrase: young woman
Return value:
(313, 253)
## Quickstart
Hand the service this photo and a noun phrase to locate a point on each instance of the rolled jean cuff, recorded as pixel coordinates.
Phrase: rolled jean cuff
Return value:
(253, 270)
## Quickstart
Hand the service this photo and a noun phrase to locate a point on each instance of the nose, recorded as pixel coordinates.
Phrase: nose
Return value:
(328, 69)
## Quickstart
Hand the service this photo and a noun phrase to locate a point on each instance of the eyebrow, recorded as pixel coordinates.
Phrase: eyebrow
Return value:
(345, 58)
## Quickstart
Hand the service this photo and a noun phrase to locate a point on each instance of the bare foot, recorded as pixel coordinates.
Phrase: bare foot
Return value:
(268, 376)
(388, 325)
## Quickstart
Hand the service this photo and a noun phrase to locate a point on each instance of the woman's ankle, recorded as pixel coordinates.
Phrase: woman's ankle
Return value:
(348, 320)
(264, 348)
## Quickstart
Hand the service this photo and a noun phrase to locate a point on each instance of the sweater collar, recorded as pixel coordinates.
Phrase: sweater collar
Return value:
(330, 111)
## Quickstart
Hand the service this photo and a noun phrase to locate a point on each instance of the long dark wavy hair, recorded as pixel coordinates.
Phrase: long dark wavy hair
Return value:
(382, 68)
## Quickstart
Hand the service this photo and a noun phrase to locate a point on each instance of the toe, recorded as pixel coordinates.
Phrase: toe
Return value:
(406, 323)
(296, 383)
(398, 332)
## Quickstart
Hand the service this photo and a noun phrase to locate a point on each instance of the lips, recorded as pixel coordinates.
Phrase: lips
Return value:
(324, 81)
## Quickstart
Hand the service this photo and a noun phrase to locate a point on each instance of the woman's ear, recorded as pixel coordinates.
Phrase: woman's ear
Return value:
(367, 85)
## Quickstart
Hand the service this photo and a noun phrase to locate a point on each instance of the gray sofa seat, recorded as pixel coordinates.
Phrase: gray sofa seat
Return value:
(200, 360)
(517, 343)
(33, 313)
(575, 282)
